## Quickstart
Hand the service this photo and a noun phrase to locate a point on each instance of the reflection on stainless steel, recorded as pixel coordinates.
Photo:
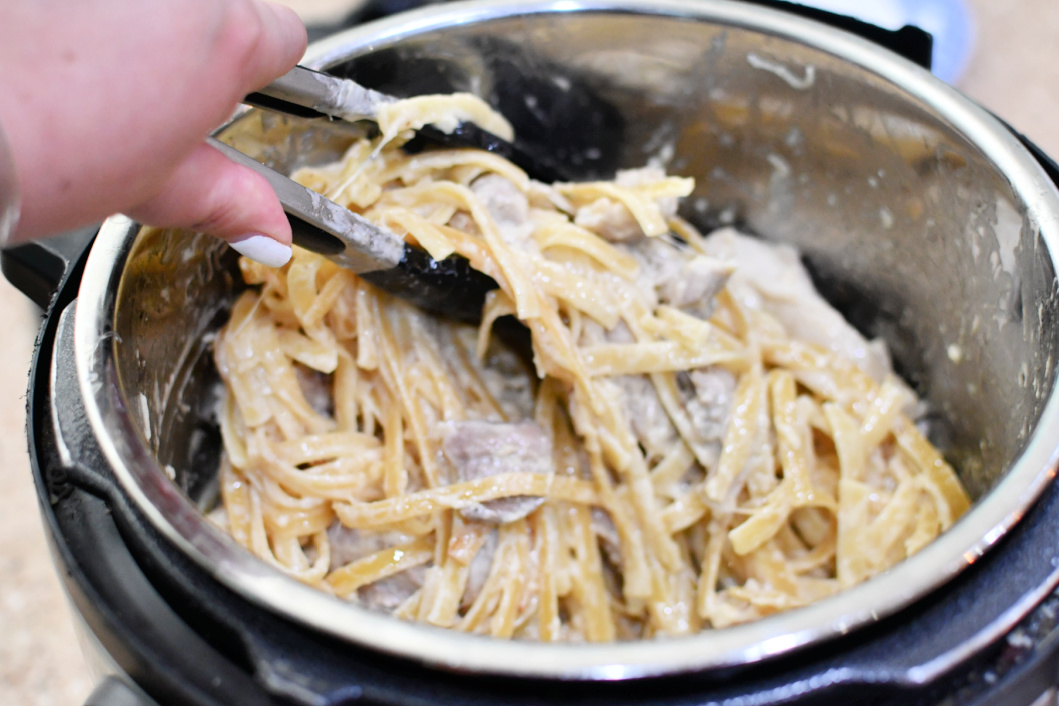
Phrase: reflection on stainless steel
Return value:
(338, 97)
(922, 218)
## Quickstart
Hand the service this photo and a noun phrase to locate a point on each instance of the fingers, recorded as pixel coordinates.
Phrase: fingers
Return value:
(284, 24)
(105, 101)
(262, 39)
(210, 193)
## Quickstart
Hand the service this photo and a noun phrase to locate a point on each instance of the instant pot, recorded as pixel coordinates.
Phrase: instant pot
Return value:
(922, 218)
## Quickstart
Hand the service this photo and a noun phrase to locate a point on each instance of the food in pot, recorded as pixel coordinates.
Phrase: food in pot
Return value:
(700, 440)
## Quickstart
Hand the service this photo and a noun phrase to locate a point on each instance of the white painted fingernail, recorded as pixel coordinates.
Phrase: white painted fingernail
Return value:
(263, 249)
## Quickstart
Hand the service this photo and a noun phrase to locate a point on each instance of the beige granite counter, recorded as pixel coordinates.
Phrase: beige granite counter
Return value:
(1013, 73)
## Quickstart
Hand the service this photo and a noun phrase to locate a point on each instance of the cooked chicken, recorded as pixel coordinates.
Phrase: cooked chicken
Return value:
(610, 220)
(481, 449)
(710, 404)
(348, 545)
(508, 206)
(772, 278)
(644, 410)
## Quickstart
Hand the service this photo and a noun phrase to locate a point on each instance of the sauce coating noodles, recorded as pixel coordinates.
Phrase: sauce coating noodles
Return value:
(700, 440)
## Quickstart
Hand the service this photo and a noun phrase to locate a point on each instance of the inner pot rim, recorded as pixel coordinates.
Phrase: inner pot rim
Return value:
(173, 514)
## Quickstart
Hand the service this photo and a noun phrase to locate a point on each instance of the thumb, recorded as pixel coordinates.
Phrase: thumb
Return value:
(208, 192)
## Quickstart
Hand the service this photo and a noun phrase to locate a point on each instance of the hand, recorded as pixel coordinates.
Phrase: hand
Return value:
(106, 104)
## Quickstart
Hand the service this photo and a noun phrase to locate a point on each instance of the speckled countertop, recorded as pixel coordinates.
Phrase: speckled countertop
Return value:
(1013, 73)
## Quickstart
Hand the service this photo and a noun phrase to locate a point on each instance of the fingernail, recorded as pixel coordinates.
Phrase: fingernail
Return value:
(263, 249)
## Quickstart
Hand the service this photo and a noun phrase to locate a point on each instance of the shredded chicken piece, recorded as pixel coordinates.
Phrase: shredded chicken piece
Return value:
(387, 595)
(479, 449)
(348, 545)
(772, 278)
(680, 279)
(610, 220)
(508, 207)
(697, 282)
(644, 410)
(710, 405)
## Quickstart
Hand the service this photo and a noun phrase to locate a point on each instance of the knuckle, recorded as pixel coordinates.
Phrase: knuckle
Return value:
(242, 34)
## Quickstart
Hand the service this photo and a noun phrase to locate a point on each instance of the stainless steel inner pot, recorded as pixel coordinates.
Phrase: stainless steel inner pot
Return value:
(920, 215)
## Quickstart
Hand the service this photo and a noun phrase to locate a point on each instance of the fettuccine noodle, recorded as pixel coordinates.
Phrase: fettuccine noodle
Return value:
(684, 452)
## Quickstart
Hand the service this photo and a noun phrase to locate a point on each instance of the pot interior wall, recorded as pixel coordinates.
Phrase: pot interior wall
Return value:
(908, 228)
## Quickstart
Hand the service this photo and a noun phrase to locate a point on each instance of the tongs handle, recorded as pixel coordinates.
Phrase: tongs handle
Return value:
(306, 93)
(451, 287)
(312, 94)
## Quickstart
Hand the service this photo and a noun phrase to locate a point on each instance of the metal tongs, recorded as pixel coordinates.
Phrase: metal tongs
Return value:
(451, 287)
(313, 94)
